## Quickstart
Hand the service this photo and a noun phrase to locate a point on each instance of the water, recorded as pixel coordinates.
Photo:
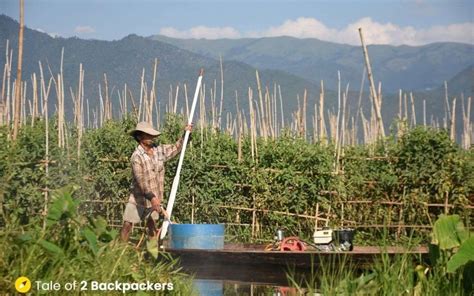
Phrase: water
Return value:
(217, 279)
(229, 288)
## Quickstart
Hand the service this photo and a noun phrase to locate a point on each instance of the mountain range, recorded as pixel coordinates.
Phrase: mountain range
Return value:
(397, 67)
(294, 64)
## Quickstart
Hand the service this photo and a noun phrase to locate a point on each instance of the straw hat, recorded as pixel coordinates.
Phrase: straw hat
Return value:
(145, 127)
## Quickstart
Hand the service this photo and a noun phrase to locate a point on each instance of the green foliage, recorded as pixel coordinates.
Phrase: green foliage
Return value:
(452, 250)
(402, 274)
(72, 247)
(449, 232)
(463, 256)
(288, 175)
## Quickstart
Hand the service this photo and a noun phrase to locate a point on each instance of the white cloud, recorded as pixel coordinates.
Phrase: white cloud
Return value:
(374, 32)
(202, 32)
(84, 29)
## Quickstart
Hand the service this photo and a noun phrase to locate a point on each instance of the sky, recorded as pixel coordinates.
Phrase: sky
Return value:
(411, 22)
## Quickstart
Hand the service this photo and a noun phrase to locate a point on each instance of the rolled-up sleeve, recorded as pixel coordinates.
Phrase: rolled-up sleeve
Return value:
(171, 150)
(141, 180)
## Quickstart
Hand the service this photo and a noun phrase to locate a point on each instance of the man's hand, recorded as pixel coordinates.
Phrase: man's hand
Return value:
(188, 127)
(155, 204)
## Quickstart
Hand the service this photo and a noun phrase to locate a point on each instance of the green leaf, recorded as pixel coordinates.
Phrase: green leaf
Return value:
(449, 232)
(53, 249)
(63, 206)
(91, 239)
(152, 248)
(25, 237)
(463, 255)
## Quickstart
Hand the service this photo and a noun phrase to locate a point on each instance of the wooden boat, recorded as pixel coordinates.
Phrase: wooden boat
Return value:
(248, 262)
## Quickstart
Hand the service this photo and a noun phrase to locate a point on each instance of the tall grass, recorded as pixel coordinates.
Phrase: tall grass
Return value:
(71, 247)
(401, 274)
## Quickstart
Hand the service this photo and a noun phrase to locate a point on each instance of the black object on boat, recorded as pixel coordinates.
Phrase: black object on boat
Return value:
(344, 238)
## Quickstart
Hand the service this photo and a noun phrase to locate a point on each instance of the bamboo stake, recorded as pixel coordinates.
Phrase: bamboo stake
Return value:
(5, 73)
(262, 112)
(361, 92)
(16, 124)
(45, 94)
(372, 87)
(424, 112)
(447, 111)
(142, 82)
(304, 127)
(467, 125)
(34, 111)
(23, 103)
(187, 100)
(281, 108)
(153, 95)
(222, 92)
(125, 107)
(80, 99)
(453, 121)
(175, 108)
(322, 131)
(413, 113)
(275, 111)
(336, 142)
(251, 115)
(316, 217)
(9, 93)
(399, 105)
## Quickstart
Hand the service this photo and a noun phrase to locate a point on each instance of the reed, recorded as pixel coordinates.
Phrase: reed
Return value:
(263, 117)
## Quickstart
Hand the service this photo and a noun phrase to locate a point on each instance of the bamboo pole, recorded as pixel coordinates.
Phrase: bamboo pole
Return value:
(9, 93)
(413, 112)
(175, 105)
(262, 111)
(45, 93)
(222, 92)
(322, 131)
(153, 96)
(467, 125)
(125, 107)
(3, 97)
(338, 116)
(252, 123)
(187, 100)
(305, 102)
(281, 108)
(453, 121)
(34, 110)
(361, 92)
(447, 111)
(372, 87)
(424, 112)
(400, 95)
(80, 121)
(316, 217)
(142, 82)
(16, 124)
(23, 103)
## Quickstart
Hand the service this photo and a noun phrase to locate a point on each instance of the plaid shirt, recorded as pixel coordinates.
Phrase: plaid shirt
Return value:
(149, 172)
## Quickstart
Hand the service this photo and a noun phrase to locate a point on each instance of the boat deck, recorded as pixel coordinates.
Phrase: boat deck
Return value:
(245, 262)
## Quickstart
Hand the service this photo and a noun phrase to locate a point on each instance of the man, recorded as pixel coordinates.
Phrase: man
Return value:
(148, 179)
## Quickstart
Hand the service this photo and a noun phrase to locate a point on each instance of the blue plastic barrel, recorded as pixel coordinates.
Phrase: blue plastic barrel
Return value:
(197, 236)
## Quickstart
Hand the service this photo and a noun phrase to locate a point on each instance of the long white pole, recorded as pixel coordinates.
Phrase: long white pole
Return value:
(174, 188)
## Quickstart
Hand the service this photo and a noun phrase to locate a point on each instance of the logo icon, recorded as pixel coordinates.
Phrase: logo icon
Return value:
(23, 284)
